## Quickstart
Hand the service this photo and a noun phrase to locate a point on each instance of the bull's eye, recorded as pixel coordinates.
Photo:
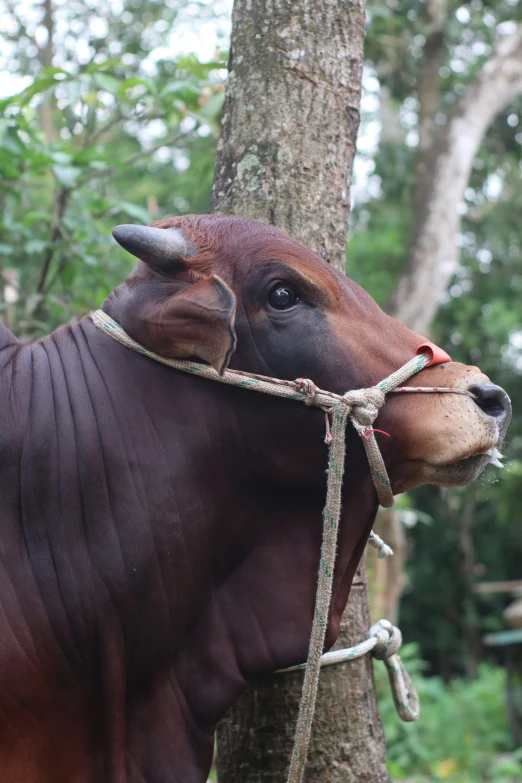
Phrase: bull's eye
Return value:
(282, 297)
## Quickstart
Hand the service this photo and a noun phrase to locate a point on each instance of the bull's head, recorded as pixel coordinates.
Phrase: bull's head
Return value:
(245, 473)
(239, 293)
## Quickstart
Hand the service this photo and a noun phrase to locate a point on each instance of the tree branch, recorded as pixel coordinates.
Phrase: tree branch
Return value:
(433, 255)
(128, 161)
(91, 138)
(61, 200)
(429, 90)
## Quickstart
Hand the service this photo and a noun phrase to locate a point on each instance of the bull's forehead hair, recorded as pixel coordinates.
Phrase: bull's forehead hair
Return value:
(220, 232)
(224, 240)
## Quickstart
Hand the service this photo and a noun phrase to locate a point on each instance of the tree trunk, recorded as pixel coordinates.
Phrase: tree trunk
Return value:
(387, 575)
(285, 156)
(291, 117)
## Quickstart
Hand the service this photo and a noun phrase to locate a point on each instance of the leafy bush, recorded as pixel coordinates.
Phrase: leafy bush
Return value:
(119, 129)
(462, 735)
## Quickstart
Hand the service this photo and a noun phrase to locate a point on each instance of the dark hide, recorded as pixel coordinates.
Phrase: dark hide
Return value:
(161, 533)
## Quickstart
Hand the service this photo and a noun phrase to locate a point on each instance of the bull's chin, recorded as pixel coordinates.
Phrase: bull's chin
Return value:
(454, 474)
(459, 473)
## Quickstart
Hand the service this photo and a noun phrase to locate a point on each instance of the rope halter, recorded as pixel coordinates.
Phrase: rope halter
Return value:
(361, 407)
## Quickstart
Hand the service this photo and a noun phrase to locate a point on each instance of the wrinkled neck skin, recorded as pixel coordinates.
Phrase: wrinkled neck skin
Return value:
(168, 530)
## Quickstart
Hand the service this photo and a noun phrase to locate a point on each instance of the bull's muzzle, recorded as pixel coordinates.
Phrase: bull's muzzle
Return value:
(494, 401)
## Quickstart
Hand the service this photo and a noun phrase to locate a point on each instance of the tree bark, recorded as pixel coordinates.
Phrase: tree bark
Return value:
(291, 116)
(443, 171)
(387, 575)
(285, 156)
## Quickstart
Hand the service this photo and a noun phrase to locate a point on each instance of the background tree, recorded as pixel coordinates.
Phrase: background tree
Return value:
(449, 137)
(449, 79)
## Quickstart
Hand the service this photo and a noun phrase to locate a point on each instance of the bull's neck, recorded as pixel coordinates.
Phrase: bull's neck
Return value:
(190, 515)
(247, 480)
(259, 617)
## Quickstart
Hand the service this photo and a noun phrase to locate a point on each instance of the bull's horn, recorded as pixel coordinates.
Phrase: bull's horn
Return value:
(155, 246)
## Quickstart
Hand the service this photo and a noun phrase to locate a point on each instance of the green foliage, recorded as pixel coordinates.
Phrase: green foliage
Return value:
(479, 322)
(462, 735)
(99, 140)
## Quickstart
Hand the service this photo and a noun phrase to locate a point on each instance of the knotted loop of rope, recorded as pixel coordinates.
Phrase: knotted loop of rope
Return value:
(363, 405)
(308, 389)
(389, 640)
(383, 642)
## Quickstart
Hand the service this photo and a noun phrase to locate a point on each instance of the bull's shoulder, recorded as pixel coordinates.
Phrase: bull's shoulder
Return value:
(7, 338)
(9, 345)
(15, 381)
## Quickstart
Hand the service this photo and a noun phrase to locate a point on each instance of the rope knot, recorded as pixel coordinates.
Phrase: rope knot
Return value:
(364, 405)
(308, 389)
(389, 639)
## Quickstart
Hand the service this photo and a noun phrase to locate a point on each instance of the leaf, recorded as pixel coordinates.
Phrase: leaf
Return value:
(89, 260)
(96, 67)
(34, 217)
(63, 158)
(47, 78)
(107, 82)
(35, 246)
(32, 302)
(9, 171)
(213, 106)
(134, 211)
(185, 85)
(10, 140)
(129, 84)
(66, 175)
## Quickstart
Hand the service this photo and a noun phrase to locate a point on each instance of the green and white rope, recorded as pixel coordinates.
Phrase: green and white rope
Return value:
(361, 407)
(384, 642)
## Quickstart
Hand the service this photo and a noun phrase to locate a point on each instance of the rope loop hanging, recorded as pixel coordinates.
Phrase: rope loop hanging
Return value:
(405, 698)
(384, 641)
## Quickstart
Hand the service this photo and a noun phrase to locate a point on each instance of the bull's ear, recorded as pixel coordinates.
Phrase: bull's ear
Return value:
(198, 321)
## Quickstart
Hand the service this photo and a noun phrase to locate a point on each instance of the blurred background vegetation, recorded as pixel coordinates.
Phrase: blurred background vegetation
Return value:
(110, 113)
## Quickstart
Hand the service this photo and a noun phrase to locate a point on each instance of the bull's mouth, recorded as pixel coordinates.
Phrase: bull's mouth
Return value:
(452, 474)
(464, 471)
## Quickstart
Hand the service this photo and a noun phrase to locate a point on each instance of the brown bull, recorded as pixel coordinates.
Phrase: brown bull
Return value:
(161, 533)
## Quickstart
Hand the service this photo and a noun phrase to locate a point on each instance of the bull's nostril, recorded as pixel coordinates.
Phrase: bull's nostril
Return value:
(492, 399)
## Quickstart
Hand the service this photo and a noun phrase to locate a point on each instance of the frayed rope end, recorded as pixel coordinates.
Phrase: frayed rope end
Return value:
(383, 549)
